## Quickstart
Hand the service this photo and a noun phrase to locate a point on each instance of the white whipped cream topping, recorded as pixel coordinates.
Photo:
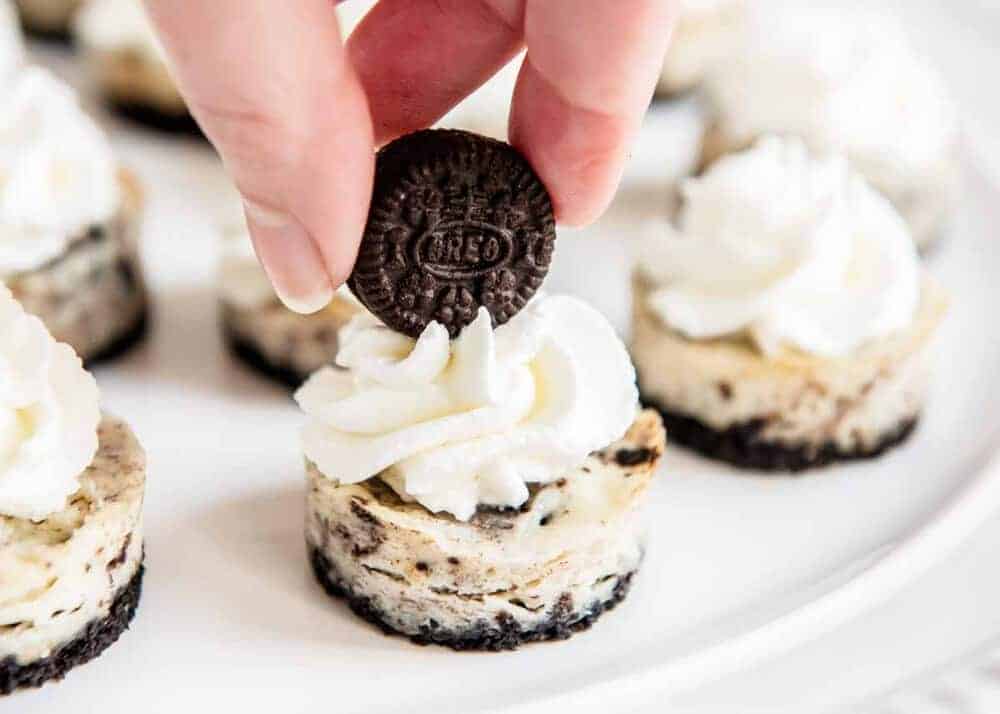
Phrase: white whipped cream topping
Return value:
(789, 249)
(58, 175)
(242, 280)
(456, 424)
(845, 81)
(112, 25)
(49, 415)
(11, 41)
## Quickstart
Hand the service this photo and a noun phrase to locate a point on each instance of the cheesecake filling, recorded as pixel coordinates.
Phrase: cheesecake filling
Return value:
(58, 175)
(791, 251)
(454, 425)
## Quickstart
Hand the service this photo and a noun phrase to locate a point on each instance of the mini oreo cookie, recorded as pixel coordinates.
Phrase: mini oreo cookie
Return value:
(457, 221)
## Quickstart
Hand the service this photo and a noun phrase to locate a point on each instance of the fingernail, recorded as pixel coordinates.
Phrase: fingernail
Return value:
(291, 259)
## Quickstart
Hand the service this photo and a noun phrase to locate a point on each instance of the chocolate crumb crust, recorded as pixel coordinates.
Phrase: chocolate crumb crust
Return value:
(247, 353)
(180, 124)
(504, 634)
(740, 445)
(457, 222)
(89, 644)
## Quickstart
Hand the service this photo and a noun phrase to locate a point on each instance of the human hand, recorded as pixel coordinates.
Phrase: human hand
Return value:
(296, 116)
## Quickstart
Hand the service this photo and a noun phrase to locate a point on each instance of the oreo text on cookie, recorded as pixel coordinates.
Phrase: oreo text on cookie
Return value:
(457, 221)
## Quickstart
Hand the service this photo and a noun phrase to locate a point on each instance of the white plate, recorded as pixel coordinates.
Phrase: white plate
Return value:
(738, 567)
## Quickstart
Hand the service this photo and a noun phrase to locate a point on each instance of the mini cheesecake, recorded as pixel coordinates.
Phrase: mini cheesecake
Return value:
(93, 296)
(505, 577)
(71, 582)
(71, 493)
(705, 34)
(70, 218)
(785, 321)
(48, 19)
(129, 65)
(788, 412)
(264, 334)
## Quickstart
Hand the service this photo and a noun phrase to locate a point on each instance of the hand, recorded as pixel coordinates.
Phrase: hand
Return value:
(296, 116)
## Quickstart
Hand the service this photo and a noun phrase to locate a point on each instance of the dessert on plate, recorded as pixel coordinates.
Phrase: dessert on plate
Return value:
(845, 82)
(129, 64)
(71, 492)
(70, 220)
(786, 322)
(48, 19)
(476, 464)
(261, 331)
(707, 31)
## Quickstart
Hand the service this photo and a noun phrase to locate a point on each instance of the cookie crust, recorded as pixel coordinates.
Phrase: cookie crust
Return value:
(502, 634)
(740, 445)
(96, 637)
(248, 353)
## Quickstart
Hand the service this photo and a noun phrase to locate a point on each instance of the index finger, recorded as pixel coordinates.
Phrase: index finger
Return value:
(271, 85)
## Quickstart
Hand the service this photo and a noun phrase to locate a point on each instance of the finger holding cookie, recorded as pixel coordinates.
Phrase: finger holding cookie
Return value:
(296, 118)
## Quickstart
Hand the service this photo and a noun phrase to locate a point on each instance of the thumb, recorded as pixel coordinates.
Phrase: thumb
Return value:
(273, 90)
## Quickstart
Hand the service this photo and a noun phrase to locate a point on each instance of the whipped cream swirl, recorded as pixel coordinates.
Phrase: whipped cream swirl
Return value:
(112, 25)
(844, 81)
(788, 249)
(58, 176)
(49, 415)
(458, 424)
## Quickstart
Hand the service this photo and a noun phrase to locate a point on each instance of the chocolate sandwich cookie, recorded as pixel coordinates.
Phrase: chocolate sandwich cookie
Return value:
(457, 221)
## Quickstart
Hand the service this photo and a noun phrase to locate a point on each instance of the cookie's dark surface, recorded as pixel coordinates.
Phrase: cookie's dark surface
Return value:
(458, 221)
(741, 446)
(497, 636)
(96, 637)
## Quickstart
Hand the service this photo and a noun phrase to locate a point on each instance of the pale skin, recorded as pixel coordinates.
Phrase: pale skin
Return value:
(296, 114)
